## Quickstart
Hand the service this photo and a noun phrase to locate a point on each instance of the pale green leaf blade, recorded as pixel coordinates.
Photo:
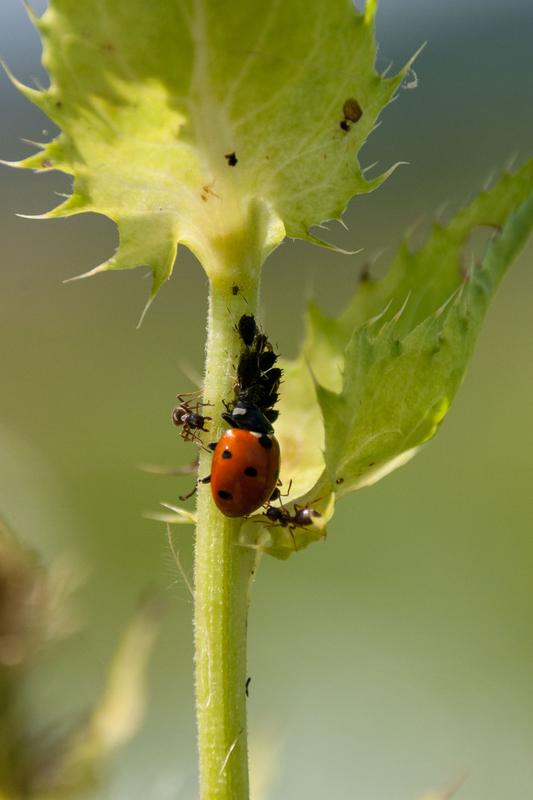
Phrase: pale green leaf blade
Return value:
(383, 375)
(423, 280)
(186, 123)
(398, 388)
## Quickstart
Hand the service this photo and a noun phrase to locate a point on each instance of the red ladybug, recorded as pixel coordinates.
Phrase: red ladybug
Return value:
(244, 472)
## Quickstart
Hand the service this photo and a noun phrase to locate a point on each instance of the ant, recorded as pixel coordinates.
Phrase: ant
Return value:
(189, 418)
(303, 516)
(300, 518)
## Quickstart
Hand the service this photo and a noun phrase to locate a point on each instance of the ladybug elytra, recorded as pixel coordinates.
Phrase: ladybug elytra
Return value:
(244, 471)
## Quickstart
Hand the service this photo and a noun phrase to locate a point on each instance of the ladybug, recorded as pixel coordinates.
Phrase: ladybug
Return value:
(246, 458)
(244, 472)
(189, 419)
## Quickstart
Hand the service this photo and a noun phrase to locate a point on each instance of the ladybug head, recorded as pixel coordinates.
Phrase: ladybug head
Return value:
(248, 417)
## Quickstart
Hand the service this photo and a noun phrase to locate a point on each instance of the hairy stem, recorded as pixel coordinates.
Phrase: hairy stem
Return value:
(223, 573)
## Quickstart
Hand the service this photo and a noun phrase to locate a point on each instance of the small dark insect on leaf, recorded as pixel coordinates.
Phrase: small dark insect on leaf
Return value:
(345, 125)
(232, 159)
(267, 359)
(352, 110)
(235, 289)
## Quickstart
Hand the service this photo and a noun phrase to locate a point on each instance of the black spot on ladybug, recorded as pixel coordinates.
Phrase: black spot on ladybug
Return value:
(345, 125)
(352, 110)
(266, 442)
(232, 159)
(224, 495)
(251, 472)
(227, 454)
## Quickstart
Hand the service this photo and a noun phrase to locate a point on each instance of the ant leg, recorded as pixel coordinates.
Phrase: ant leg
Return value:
(291, 529)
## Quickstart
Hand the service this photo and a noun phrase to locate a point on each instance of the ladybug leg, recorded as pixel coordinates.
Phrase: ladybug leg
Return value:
(277, 494)
(186, 496)
(207, 479)
(212, 445)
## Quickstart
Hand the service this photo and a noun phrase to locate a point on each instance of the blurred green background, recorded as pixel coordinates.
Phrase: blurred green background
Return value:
(399, 654)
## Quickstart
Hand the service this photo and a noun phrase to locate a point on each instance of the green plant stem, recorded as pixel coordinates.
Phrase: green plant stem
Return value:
(223, 573)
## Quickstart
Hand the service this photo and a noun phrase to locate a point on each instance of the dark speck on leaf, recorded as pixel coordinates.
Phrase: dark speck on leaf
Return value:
(232, 159)
(235, 290)
(339, 481)
(352, 110)
(364, 275)
(46, 163)
(345, 125)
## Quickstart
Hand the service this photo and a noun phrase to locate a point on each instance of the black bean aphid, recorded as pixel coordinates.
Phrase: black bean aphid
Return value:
(232, 159)
(247, 329)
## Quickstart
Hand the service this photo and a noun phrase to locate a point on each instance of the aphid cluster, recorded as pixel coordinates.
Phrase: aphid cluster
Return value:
(257, 378)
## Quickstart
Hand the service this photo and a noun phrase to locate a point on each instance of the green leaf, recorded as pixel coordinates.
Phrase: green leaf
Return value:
(422, 280)
(386, 371)
(217, 129)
